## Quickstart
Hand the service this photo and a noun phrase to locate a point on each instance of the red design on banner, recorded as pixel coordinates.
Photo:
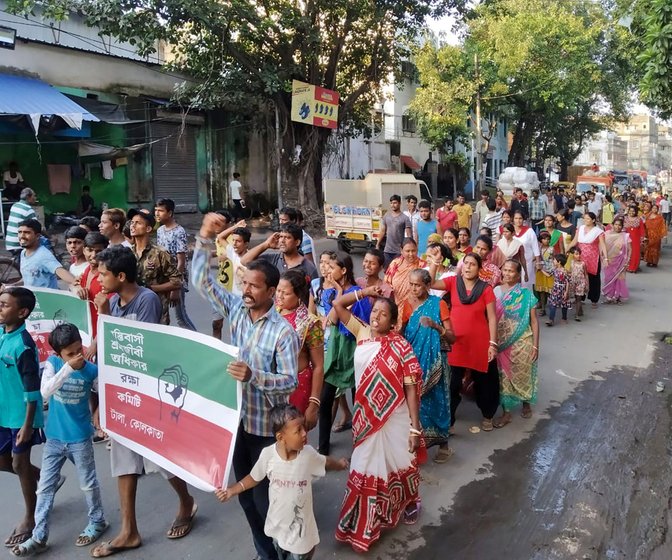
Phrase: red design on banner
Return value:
(192, 443)
(42, 342)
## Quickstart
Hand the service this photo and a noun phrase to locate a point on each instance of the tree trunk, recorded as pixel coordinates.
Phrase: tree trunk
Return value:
(564, 169)
(303, 147)
(522, 139)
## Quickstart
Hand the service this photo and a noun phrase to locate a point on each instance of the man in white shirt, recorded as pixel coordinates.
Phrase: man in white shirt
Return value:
(595, 205)
(412, 212)
(664, 205)
(12, 182)
(236, 193)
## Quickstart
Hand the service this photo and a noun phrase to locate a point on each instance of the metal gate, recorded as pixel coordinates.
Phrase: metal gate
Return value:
(174, 165)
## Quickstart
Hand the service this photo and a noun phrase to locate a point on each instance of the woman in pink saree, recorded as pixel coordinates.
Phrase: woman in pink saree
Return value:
(619, 247)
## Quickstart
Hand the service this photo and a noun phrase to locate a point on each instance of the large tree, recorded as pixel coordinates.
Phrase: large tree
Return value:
(566, 66)
(558, 71)
(452, 78)
(244, 55)
(652, 30)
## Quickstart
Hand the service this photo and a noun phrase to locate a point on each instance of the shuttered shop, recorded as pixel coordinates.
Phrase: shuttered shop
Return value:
(174, 165)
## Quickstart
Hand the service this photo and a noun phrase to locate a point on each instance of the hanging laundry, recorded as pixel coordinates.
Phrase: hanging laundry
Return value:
(107, 170)
(60, 177)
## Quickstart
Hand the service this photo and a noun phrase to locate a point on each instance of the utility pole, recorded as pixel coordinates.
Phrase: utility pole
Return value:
(479, 132)
(278, 154)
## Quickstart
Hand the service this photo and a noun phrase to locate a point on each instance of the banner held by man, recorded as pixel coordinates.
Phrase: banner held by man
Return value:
(165, 394)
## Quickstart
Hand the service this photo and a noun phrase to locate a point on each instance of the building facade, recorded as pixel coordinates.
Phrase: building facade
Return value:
(132, 145)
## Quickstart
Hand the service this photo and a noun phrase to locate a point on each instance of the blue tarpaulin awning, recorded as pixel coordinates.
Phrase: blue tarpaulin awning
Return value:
(35, 99)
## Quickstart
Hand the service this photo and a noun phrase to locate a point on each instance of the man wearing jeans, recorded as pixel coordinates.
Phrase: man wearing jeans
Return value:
(267, 365)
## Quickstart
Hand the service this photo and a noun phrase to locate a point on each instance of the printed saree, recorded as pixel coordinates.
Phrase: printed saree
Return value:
(384, 476)
(435, 401)
(614, 286)
(518, 373)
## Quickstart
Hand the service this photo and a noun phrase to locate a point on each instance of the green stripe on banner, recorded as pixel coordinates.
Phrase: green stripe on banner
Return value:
(159, 354)
(60, 307)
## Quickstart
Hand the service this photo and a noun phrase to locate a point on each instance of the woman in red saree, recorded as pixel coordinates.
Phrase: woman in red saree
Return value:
(634, 226)
(291, 297)
(656, 231)
(384, 477)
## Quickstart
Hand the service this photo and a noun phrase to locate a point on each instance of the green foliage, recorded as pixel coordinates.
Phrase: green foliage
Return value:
(459, 160)
(243, 54)
(566, 66)
(652, 25)
(441, 103)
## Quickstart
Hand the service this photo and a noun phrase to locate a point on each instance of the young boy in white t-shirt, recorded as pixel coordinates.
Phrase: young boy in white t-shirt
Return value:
(290, 466)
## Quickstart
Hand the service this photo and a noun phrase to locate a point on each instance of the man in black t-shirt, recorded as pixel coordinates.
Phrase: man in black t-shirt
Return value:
(86, 202)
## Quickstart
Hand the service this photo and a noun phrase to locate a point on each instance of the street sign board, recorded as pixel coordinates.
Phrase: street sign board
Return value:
(314, 105)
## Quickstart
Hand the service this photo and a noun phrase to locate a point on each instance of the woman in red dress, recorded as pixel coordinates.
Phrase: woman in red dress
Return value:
(634, 226)
(474, 320)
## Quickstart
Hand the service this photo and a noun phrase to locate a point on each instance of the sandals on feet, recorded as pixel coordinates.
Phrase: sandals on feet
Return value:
(181, 528)
(17, 538)
(486, 425)
(412, 512)
(443, 454)
(29, 548)
(91, 533)
(526, 413)
(501, 421)
(338, 428)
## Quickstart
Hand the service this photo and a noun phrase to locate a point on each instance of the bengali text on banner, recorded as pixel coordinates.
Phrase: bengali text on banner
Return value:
(165, 393)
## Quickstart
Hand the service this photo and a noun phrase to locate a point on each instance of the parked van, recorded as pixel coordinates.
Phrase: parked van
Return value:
(353, 208)
(585, 183)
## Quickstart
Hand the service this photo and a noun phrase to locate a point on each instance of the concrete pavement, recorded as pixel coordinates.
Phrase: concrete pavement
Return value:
(578, 358)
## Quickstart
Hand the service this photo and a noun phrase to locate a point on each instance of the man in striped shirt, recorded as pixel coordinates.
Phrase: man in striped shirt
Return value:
(267, 364)
(19, 212)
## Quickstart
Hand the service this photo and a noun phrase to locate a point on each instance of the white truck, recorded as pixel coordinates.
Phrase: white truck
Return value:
(353, 208)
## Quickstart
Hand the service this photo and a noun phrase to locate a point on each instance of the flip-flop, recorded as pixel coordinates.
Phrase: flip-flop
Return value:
(106, 549)
(411, 516)
(187, 524)
(443, 454)
(29, 548)
(486, 425)
(338, 428)
(501, 421)
(23, 536)
(92, 532)
(526, 413)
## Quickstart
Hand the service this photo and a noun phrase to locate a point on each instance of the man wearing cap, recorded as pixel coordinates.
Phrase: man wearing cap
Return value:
(19, 212)
(156, 270)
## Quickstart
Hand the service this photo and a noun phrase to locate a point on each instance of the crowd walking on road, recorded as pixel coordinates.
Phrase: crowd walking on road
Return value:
(434, 322)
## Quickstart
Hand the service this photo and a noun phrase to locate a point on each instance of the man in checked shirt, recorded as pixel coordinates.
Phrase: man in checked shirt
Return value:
(267, 364)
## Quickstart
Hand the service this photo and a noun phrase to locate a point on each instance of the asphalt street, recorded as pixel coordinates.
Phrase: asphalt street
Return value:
(587, 477)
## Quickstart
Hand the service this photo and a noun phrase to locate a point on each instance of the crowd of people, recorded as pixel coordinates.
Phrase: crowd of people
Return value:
(439, 314)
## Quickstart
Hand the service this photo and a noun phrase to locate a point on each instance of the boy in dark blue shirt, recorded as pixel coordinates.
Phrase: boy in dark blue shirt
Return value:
(67, 381)
(21, 417)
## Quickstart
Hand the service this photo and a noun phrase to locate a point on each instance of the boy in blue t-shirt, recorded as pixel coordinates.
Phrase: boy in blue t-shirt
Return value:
(425, 226)
(67, 381)
(21, 417)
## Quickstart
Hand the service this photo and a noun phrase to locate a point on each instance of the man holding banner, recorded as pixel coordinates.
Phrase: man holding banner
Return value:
(117, 273)
(267, 365)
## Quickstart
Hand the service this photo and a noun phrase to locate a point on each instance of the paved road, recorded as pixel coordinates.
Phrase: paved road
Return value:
(587, 478)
